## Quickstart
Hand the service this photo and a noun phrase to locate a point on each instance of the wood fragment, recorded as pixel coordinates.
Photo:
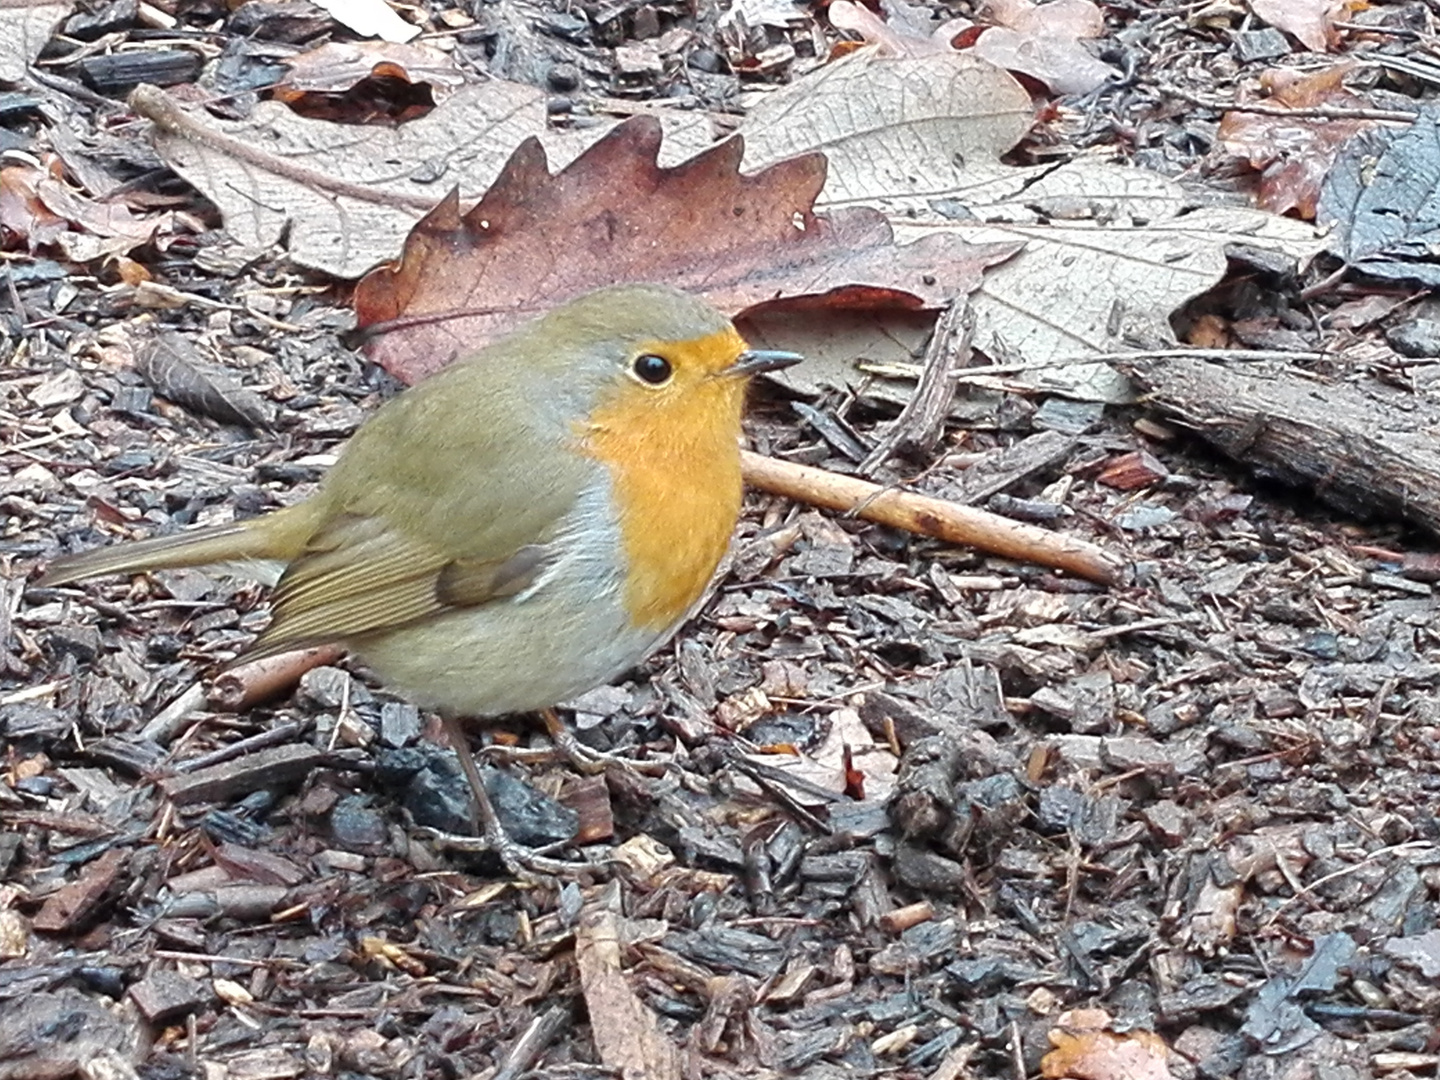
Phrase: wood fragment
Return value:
(934, 517)
(275, 767)
(922, 421)
(250, 683)
(73, 905)
(902, 919)
(627, 1036)
(1004, 468)
(1367, 451)
(589, 797)
(164, 994)
(537, 1037)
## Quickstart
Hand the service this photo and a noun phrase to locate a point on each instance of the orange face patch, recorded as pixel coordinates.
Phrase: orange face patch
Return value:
(673, 456)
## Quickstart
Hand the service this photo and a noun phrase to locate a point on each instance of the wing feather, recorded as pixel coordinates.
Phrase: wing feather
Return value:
(360, 577)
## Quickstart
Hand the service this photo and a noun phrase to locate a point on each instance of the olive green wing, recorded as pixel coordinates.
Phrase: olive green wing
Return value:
(358, 577)
(441, 501)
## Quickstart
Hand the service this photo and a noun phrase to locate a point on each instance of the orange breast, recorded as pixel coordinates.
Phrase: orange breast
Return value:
(674, 462)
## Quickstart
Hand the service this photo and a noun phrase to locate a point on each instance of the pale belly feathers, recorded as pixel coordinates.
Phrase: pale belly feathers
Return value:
(568, 633)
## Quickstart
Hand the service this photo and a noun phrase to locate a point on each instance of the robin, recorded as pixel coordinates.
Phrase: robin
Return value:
(521, 527)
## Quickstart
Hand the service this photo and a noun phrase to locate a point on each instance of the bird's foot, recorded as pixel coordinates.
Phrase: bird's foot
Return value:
(589, 761)
(529, 864)
(526, 863)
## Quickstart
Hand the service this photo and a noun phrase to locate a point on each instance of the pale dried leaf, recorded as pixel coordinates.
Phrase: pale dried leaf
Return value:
(1061, 64)
(1073, 19)
(353, 194)
(370, 18)
(339, 65)
(1043, 41)
(890, 39)
(1110, 251)
(1310, 21)
(890, 126)
(23, 33)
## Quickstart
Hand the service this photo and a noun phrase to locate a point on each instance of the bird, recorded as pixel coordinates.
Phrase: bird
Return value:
(521, 527)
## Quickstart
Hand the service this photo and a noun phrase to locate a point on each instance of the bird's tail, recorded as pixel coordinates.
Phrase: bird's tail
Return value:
(261, 539)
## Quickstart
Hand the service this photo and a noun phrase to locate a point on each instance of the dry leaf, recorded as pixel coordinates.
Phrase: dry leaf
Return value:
(25, 220)
(1110, 251)
(361, 82)
(1312, 22)
(613, 215)
(890, 39)
(167, 362)
(351, 200)
(1085, 1050)
(23, 33)
(38, 209)
(1294, 154)
(1041, 41)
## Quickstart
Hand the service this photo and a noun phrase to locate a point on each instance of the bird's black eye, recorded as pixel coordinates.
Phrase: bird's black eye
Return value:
(652, 369)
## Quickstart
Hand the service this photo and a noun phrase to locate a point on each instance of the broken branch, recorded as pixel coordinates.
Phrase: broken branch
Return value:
(929, 516)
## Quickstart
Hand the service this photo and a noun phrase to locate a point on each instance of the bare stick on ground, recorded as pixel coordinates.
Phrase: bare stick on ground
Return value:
(934, 517)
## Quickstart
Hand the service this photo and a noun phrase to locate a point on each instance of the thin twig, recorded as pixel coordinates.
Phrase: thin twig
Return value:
(254, 681)
(929, 516)
(1316, 112)
(900, 370)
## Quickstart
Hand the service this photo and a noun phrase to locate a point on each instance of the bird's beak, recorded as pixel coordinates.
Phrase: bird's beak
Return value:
(757, 361)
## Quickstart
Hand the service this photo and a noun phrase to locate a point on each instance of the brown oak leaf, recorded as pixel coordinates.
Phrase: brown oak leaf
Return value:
(536, 240)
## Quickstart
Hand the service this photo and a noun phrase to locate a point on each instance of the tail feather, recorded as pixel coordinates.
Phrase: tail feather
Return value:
(239, 541)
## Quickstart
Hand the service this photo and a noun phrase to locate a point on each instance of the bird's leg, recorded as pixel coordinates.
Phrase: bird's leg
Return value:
(520, 860)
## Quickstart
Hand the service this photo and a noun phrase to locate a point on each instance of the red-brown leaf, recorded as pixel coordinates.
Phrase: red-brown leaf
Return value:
(615, 215)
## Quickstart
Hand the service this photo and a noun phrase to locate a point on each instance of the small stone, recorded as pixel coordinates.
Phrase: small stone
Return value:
(356, 824)
(563, 77)
(645, 23)
(59, 389)
(1169, 821)
(399, 724)
(706, 60)
(348, 861)
(165, 994)
(1419, 339)
(1263, 44)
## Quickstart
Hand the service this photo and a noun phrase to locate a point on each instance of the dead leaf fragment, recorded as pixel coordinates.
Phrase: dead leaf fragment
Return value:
(38, 209)
(1311, 22)
(614, 215)
(165, 361)
(1294, 154)
(368, 81)
(1085, 1050)
(25, 220)
(1043, 41)
(24, 30)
